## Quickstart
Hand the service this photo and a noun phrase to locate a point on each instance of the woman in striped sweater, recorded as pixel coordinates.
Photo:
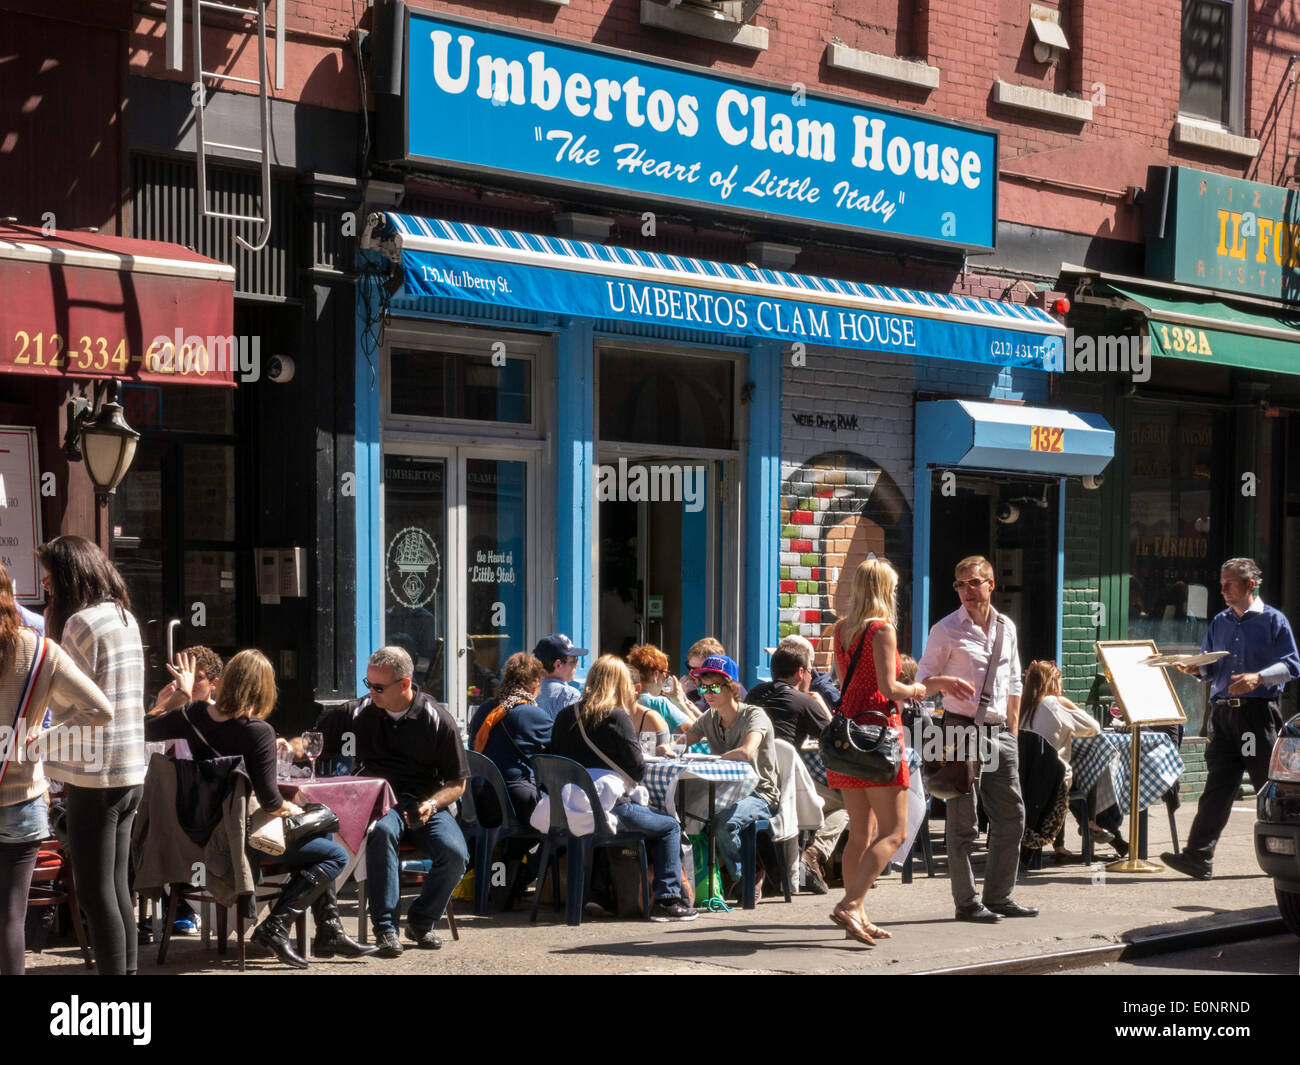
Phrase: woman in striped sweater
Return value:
(89, 615)
(23, 820)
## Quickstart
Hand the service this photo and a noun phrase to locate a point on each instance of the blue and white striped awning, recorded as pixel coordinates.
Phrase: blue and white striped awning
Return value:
(506, 267)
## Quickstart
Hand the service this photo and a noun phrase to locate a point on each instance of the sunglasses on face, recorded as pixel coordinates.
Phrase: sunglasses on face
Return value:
(712, 689)
(973, 584)
(378, 689)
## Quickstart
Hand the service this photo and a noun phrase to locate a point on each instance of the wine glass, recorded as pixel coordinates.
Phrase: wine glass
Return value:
(313, 745)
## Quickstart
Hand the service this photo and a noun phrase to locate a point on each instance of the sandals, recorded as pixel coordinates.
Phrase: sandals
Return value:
(853, 929)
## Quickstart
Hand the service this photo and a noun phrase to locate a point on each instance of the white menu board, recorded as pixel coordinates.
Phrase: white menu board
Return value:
(20, 511)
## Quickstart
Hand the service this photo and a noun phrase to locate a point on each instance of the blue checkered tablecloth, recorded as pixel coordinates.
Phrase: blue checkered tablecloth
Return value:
(812, 758)
(734, 781)
(1105, 761)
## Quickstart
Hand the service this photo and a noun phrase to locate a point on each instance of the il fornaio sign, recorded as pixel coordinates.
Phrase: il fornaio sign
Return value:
(482, 99)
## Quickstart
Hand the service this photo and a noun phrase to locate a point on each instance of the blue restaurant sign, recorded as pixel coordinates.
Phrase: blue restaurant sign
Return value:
(452, 260)
(482, 100)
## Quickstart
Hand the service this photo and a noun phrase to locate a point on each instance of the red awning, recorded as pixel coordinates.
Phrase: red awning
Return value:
(90, 306)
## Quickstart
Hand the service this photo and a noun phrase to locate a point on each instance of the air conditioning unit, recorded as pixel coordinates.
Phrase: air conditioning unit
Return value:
(732, 10)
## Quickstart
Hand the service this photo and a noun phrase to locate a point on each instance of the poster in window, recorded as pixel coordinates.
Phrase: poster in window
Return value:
(20, 511)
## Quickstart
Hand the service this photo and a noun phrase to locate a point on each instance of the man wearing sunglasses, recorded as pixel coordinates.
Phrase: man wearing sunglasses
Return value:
(742, 733)
(970, 645)
(400, 734)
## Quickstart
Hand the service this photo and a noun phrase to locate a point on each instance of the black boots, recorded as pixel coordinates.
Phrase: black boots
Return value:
(331, 939)
(302, 890)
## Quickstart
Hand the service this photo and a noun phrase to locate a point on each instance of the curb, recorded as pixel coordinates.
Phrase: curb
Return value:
(1148, 946)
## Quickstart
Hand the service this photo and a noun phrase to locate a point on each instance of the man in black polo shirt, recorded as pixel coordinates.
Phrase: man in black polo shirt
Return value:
(401, 735)
(796, 715)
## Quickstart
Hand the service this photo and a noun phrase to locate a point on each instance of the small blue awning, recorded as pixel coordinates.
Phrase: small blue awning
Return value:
(452, 260)
(1004, 436)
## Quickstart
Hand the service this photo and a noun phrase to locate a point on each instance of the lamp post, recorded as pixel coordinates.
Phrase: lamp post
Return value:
(99, 435)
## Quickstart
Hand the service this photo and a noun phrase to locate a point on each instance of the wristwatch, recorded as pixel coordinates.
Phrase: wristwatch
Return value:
(435, 807)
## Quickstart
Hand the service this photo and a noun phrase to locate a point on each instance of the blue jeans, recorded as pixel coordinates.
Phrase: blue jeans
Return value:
(25, 822)
(664, 840)
(730, 821)
(439, 839)
(322, 851)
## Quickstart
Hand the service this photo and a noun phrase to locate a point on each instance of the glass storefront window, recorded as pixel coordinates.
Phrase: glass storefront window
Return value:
(496, 569)
(209, 472)
(1176, 531)
(670, 400)
(415, 597)
(469, 387)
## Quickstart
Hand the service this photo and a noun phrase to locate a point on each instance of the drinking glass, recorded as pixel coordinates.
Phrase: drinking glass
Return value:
(283, 764)
(648, 744)
(313, 745)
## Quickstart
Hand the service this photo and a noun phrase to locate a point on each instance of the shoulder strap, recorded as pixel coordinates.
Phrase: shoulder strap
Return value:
(199, 732)
(853, 662)
(24, 703)
(990, 674)
(628, 782)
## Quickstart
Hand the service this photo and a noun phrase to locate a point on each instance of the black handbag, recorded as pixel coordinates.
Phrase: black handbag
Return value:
(316, 819)
(866, 752)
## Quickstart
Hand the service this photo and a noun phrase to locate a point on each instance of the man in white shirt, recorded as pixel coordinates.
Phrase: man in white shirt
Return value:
(959, 648)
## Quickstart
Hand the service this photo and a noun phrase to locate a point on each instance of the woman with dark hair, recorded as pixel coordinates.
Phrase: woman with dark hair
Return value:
(89, 615)
(23, 815)
(235, 725)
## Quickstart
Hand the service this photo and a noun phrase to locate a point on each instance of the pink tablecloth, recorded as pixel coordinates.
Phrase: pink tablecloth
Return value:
(357, 801)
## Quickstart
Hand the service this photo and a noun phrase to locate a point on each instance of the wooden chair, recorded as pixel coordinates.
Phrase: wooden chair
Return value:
(197, 896)
(53, 884)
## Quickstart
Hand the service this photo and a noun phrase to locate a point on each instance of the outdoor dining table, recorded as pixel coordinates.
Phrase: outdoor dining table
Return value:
(917, 803)
(1104, 760)
(727, 781)
(358, 802)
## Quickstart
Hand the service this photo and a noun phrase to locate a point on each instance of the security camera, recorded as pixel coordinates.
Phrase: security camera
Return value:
(1094, 481)
(280, 369)
(1008, 513)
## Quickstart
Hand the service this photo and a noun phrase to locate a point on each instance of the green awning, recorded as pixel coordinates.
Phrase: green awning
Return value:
(1206, 330)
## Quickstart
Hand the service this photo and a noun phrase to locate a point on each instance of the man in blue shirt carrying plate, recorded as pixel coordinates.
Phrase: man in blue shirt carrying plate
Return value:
(1245, 704)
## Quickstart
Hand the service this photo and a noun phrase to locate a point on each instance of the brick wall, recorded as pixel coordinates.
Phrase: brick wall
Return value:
(847, 471)
(1122, 57)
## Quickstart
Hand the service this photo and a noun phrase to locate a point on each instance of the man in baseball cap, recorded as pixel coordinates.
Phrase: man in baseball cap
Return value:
(560, 658)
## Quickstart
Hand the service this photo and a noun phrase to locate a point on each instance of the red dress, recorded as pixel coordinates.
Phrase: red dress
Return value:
(863, 698)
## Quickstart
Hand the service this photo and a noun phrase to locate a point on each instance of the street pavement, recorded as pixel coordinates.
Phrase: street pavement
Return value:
(1081, 908)
(1269, 956)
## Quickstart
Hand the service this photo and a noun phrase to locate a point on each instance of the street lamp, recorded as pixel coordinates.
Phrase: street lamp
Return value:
(101, 438)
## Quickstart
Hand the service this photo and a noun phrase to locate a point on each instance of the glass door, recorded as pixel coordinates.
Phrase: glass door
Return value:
(657, 517)
(458, 579)
(175, 522)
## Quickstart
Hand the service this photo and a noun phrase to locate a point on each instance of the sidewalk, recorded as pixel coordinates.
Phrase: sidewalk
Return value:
(1080, 909)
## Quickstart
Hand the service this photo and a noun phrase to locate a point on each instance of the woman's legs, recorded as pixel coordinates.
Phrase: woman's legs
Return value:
(17, 862)
(123, 812)
(866, 853)
(99, 845)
